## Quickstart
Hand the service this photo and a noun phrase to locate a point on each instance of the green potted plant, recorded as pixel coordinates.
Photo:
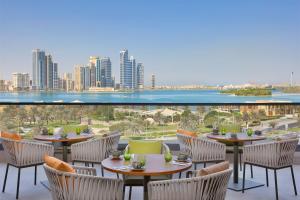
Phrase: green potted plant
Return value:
(78, 131)
(168, 156)
(223, 131)
(249, 132)
(50, 131)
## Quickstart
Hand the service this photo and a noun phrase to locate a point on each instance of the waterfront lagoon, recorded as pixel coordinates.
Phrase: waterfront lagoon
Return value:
(147, 96)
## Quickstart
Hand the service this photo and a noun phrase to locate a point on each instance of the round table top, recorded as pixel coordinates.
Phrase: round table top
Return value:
(241, 137)
(155, 166)
(72, 137)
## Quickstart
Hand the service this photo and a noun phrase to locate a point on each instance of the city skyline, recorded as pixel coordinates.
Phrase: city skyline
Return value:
(182, 43)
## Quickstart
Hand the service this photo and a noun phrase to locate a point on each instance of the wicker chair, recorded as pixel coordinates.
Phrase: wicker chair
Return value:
(274, 155)
(139, 181)
(210, 187)
(23, 154)
(95, 150)
(84, 184)
(202, 150)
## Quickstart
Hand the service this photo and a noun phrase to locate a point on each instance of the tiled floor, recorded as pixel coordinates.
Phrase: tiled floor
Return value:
(30, 192)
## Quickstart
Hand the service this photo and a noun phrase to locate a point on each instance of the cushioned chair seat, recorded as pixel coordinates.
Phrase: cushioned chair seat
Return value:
(145, 147)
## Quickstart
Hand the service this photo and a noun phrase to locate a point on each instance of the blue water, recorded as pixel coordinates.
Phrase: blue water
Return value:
(149, 96)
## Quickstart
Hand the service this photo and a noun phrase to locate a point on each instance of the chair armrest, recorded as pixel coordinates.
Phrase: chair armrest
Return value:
(85, 170)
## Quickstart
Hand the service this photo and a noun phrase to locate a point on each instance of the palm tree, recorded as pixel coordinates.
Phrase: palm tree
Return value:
(246, 118)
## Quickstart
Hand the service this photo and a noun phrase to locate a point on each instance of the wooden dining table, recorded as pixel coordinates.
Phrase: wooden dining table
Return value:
(70, 139)
(155, 165)
(240, 139)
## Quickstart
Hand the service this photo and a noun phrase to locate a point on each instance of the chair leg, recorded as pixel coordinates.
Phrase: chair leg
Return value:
(18, 183)
(244, 171)
(251, 168)
(294, 183)
(276, 187)
(241, 168)
(118, 175)
(179, 174)
(130, 191)
(195, 166)
(35, 174)
(5, 178)
(102, 171)
(267, 177)
(124, 192)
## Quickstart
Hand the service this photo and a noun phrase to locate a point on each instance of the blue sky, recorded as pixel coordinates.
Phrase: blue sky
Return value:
(182, 42)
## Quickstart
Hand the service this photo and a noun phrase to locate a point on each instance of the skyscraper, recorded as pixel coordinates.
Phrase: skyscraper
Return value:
(49, 71)
(55, 77)
(106, 79)
(93, 76)
(128, 71)
(140, 76)
(39, 70)
(133, 71)
(125, 70)
(291, 79)
(87, 77)
(153, 81)
(68, 83)
(79, 78)
(98, 72)
(95, 71)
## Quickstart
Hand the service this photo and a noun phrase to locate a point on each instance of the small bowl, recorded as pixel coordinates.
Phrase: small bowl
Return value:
(116, 154)
(182, 157)
(136, 165)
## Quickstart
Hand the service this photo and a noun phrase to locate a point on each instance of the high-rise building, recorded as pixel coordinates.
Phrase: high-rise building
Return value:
(140, 76)
(93, 60)
(49, 71)
(55, 77)
(94, 63)
(79, 78)
(291, 79)
(128, 71)
(125, 71)
(98, 73)
(87, 78)
(133, 71)
(2, 86)
(93, 76)
(153, 81)
(106, 78)
(39, 70)
(20, 81)
(67, 82)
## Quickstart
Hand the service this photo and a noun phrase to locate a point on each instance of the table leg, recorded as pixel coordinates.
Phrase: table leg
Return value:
(65, 151)
(146, 181)
(236, 185)
(235, 162)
